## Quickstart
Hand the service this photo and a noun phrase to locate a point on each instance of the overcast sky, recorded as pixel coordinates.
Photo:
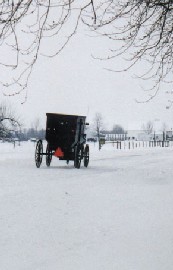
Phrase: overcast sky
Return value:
(75, 83)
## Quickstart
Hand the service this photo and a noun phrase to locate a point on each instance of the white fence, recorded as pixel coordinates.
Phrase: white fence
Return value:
(139, 144)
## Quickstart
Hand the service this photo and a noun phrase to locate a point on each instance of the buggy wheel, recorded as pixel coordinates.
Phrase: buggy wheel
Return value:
(86, 156)
(38, 153)
(48, 155)
(78, 156)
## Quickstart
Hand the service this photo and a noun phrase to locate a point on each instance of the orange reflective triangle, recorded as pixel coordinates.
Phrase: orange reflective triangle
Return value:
(58, 152)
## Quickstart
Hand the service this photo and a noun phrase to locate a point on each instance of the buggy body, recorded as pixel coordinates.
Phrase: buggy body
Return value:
(66, 139)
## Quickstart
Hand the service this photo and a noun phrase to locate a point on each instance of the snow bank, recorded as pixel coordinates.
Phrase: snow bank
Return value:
(115, 214)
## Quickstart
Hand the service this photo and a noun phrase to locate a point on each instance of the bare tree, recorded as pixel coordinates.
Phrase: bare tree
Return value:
(164, 127)
(148, 127)
(164, 130)
(144, 28)
(118, 129)
(9, 121)
(35, 126)
(98, 124)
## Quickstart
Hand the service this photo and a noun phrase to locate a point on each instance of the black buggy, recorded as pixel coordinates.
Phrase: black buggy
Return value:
(66, 139)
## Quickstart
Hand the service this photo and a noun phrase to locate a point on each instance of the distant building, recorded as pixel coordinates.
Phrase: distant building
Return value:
(133, 134)
(115, 137)
(169, 135)
(140, 135)
(137, 135)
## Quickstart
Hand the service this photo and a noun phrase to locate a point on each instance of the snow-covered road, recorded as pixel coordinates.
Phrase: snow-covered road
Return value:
(117, 214)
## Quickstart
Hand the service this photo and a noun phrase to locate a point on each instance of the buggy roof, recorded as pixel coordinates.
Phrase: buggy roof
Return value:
(62, 114)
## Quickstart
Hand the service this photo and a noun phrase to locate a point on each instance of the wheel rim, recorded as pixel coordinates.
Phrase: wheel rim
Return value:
(48, 155)
(38, 154)
(78, 155)
(86, 156)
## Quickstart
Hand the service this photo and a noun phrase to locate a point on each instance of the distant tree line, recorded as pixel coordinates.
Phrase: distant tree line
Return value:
(22, 135)
(31, 133)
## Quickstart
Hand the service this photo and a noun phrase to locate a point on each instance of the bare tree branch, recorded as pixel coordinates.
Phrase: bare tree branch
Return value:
(142, 28)
(9, 121)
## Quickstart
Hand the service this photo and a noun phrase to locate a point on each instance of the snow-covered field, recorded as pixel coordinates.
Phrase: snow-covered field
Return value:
(117, 214)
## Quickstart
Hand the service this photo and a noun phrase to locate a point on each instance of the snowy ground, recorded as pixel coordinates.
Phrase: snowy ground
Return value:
(115, 215)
